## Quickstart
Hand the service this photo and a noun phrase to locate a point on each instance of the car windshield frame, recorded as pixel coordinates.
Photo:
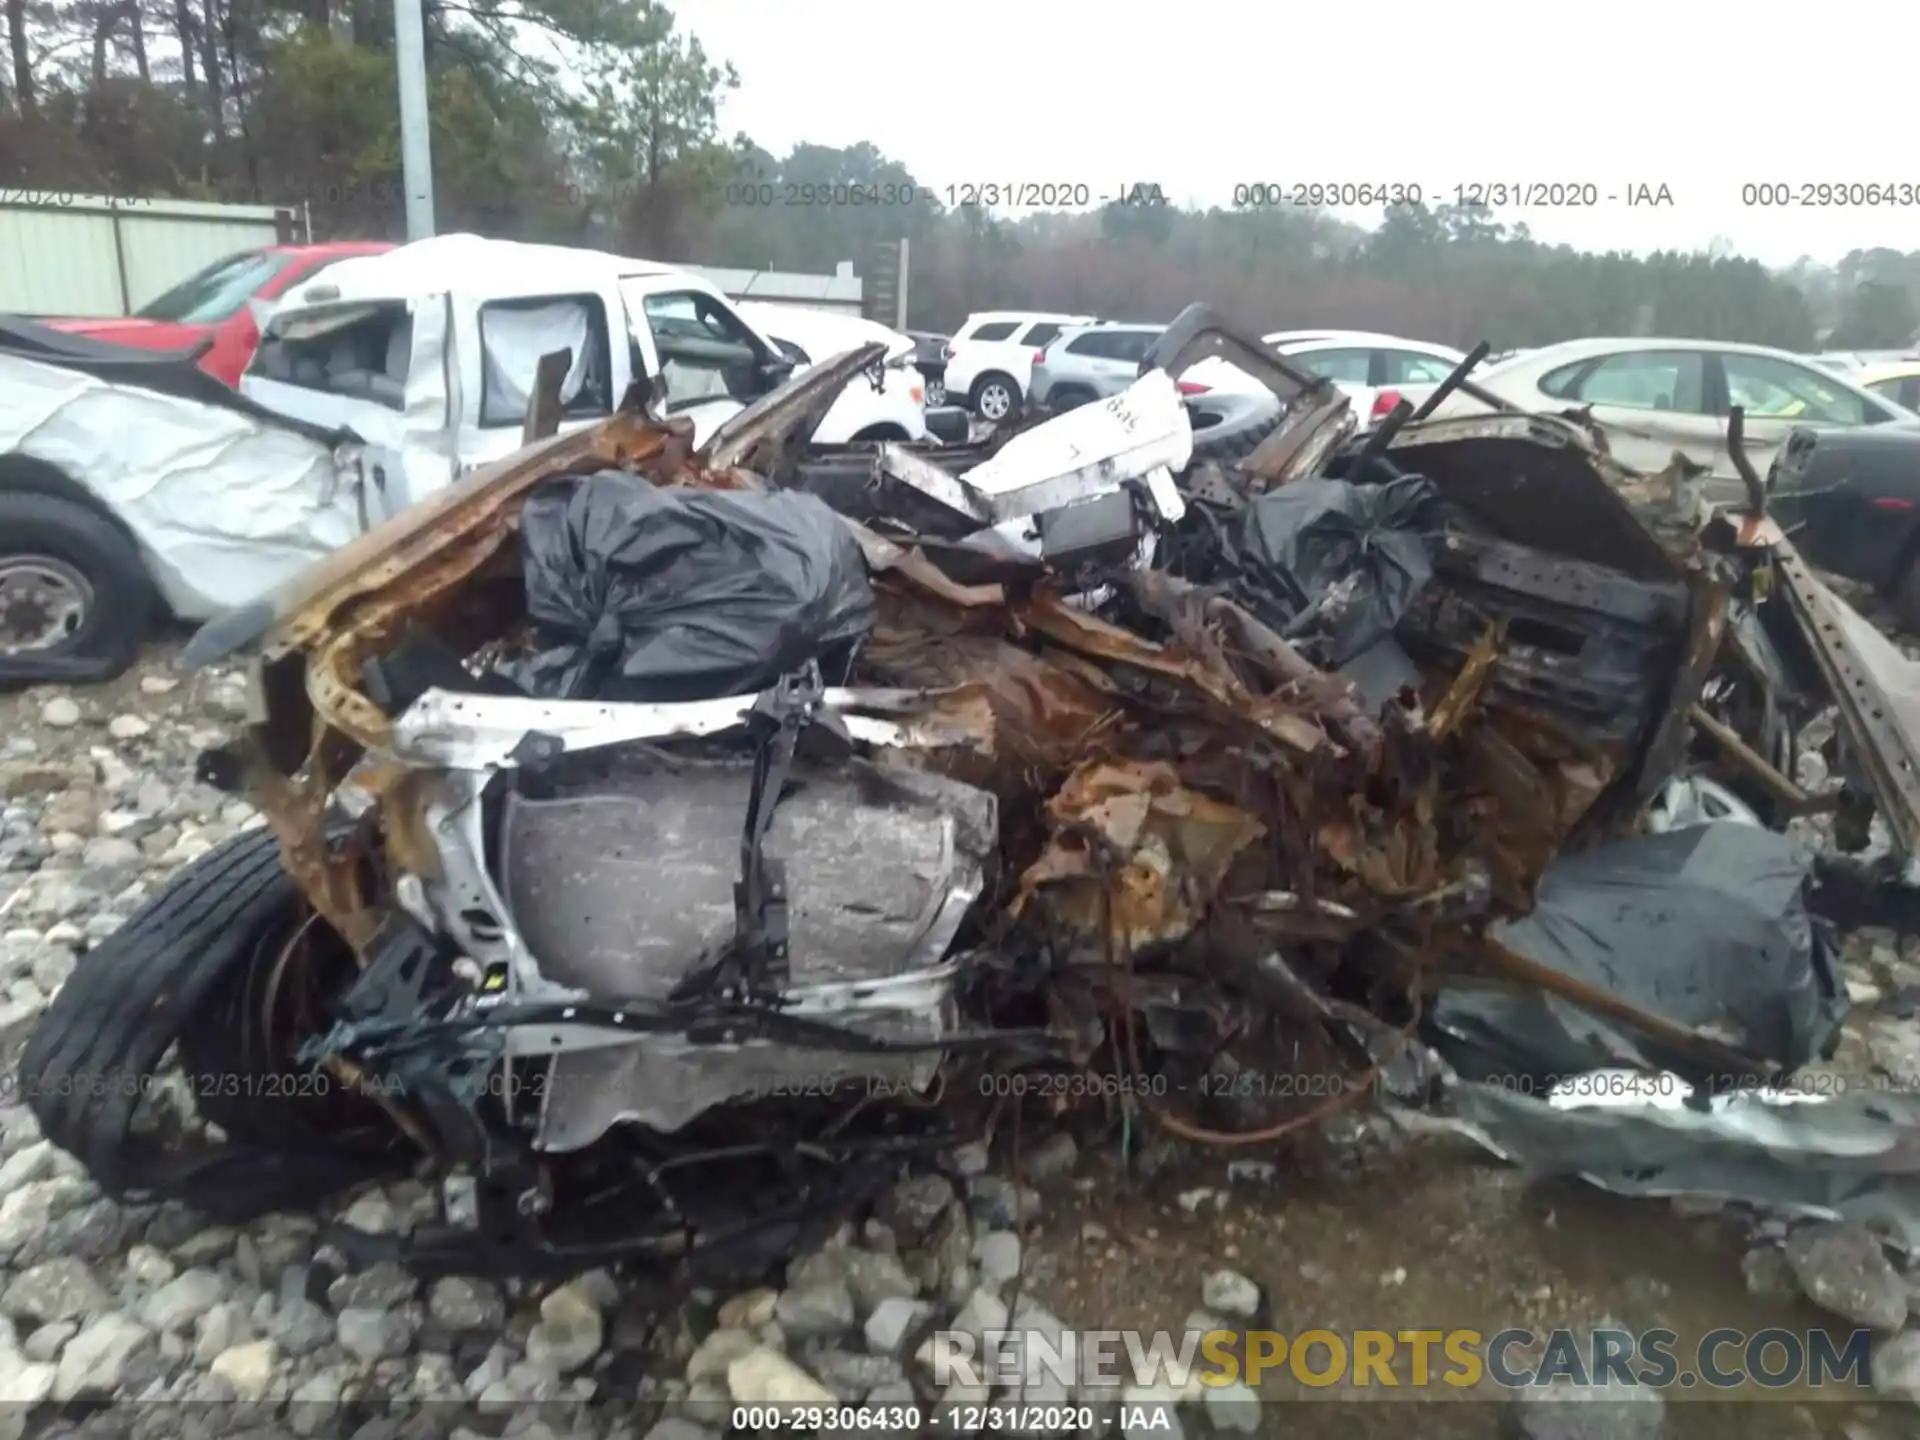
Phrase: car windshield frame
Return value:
(211, 295)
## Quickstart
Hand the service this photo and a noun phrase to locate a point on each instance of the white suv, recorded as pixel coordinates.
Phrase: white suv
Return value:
(990, 358)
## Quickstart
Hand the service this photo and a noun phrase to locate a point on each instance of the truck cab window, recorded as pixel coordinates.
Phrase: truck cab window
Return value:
(706, 352)
(363, 354)
(515, 334)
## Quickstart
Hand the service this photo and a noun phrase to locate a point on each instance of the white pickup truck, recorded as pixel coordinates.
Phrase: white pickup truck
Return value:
(128, 485)
(429, 351)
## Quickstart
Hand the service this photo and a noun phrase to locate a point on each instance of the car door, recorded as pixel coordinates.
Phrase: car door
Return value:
(376, 369)
(503, 353)
(1112, 357)
(710, 363)
(1650, 403)
(1777, 396)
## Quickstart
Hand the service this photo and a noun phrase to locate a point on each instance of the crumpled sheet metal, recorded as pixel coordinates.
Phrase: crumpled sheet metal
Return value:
(1853, 1156)
(1134, 853)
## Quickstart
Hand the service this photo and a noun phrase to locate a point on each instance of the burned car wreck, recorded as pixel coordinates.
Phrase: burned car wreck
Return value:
(657, 838)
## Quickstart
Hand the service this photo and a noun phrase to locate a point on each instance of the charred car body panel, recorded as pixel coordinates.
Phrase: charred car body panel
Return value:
(1087, 810)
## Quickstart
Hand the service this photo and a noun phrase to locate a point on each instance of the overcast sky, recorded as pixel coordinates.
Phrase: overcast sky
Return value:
(1210, 94)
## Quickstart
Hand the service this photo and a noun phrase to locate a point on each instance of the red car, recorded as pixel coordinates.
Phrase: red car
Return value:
(213, 305)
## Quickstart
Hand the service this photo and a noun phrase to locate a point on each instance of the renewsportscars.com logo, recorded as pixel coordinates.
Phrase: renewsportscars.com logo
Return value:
(1416, 1362)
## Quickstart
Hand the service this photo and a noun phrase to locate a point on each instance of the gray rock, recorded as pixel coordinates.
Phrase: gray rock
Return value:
(676, 1427)
(98, 1360)
(766, 1377)
(370, 1335)
(1767, 1273)
(1896, 1366)
(893, 1323)
(60, 713)
(983, 1311)
(26, 1165)
(219, 1330)
(1002, 1204)
(748, 1310)
(378, 1287)
(1233, 1407)
(46, 1343)
(1228, 1292)
(463, 1304)
(571, 1330)
(997, 1256)
(1844, 1269)
(876, 1277)
(128, 727)
(714, 1354)
(206, 1245)
(107, 852)
(24, 1383)
(850, 1376)
(912, 1207)
(149, 1266)
(1051, 1158)
(248, 1368)
(823, 1308)
(97, 1231)
(26, 1214)
(1564, 1411)
(373, 1212)
(300, 1326)
(183, 1300)
(62, 1289)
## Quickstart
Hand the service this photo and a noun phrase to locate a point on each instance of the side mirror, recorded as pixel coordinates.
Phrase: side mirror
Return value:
(775, 370)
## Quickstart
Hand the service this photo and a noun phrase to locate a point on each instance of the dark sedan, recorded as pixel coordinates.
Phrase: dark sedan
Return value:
(1850, 500)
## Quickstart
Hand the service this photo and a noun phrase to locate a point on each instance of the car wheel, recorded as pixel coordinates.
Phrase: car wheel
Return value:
(74, 598)
(936, 392)
(185, 975)
(1069, 397)
(995, 397)
(1234, 439)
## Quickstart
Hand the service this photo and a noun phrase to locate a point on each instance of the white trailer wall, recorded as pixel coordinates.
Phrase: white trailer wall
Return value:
(94, 255)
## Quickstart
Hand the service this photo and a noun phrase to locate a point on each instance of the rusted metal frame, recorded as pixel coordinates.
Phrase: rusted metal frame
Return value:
(1456, 378)
(1880, 749)
(1077, 630)
(1796, 800)
(543, 405)
(1300, 445)
(1712, 1054)
(1330, 698)
(1737, 451)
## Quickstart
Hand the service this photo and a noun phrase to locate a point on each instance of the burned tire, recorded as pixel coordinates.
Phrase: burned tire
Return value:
(1231, 442)
(169, 978)
(75, 602)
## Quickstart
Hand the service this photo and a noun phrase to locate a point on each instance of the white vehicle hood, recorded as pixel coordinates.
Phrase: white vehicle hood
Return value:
(223, 505)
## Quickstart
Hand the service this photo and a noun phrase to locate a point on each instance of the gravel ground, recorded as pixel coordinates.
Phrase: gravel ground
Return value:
(1352, 1227)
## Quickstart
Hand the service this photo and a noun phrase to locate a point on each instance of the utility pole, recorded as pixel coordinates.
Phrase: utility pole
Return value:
(416, 153)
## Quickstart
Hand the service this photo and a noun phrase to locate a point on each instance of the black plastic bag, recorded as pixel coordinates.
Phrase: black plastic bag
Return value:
(1333, 565)
(1707, 926)
(641, 593)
